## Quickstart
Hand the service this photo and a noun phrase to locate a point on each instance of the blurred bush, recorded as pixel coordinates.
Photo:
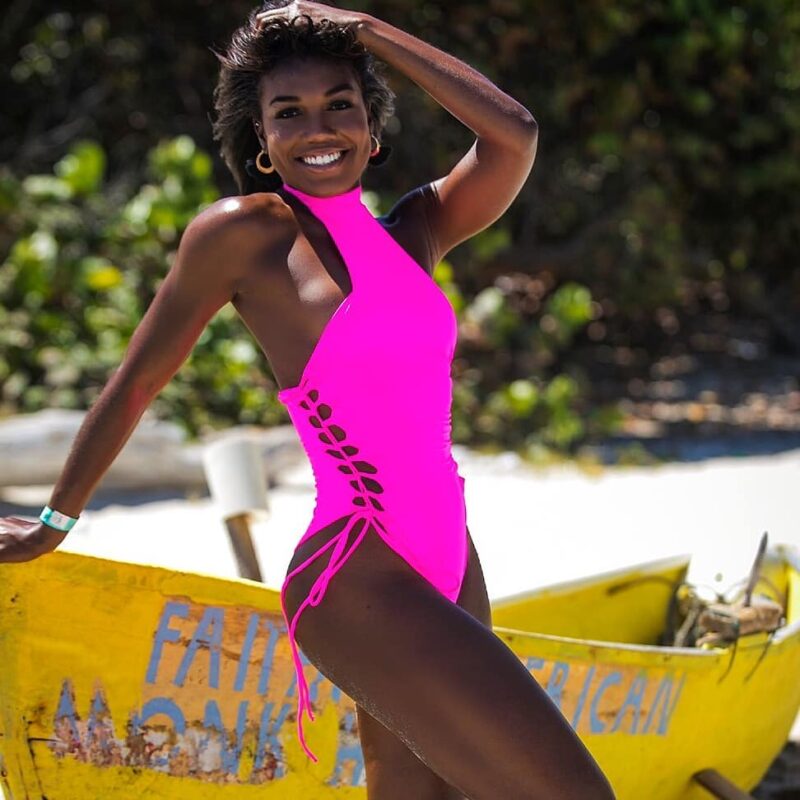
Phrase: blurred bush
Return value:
(666, 187)
(83, 266)
(544, 411)
(80, 272)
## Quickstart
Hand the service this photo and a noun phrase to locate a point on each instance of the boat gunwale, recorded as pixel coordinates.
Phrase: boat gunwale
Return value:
(605, 644)
(783, 551)
(569, 586)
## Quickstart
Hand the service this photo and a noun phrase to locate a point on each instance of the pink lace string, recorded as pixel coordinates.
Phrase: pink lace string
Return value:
(337, 560)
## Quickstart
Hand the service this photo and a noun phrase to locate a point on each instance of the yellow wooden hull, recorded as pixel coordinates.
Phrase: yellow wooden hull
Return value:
(125, 681)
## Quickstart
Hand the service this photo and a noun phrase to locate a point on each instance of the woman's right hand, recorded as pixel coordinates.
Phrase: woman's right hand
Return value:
(23, 540)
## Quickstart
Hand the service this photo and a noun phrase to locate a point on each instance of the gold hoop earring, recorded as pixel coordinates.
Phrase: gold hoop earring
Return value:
(377, 145)
(263, 169)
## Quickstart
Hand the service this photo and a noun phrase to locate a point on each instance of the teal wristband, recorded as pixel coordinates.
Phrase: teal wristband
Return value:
(57, 520)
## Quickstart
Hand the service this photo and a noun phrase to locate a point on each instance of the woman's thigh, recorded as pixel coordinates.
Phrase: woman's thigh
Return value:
(437, 677)
(393, 770)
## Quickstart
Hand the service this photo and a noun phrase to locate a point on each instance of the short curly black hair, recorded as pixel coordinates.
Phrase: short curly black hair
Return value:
(251, 53)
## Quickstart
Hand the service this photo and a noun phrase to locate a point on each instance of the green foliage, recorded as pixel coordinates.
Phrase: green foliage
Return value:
(80, 271)
(534, 413)
(82, 169)
(667, 183)
(686, 151)
(445, 280)
(566, 312)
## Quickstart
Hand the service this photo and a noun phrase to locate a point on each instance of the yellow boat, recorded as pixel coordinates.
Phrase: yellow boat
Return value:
(127, 681)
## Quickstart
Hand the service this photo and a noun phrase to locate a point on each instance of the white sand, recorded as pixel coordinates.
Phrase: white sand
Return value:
(531, 527)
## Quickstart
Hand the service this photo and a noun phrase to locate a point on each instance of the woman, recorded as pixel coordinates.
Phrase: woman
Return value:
(361, 340)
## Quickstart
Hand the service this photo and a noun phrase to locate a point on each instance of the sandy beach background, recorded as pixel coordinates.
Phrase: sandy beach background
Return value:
(532, 527)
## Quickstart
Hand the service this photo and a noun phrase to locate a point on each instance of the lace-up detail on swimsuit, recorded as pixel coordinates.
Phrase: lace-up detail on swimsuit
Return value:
(365, 490)
(380, 454)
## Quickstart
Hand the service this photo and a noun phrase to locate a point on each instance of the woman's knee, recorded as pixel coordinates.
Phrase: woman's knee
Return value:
(593, 787)
(599, 790)
(394, 772)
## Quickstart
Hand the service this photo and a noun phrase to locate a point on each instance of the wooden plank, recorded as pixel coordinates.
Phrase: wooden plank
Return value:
(720, 786)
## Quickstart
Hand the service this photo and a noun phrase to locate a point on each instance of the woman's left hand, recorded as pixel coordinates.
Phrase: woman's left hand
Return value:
(24, 540)
(317, 12)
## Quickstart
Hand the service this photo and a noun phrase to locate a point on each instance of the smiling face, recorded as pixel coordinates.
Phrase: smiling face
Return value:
(314, 124)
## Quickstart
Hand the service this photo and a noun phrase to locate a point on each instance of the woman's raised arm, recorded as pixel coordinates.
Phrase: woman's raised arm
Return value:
(487, 178)
(203, 278)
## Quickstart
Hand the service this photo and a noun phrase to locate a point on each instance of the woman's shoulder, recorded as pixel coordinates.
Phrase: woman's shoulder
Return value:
(409, 220)
(413, 203)
(264, 213)
(234, 230)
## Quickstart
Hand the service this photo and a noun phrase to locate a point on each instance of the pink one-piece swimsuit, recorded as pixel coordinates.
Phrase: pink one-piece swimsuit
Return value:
(373, 412)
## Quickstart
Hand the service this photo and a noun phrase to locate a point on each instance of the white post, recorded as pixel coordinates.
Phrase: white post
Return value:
(238, 485)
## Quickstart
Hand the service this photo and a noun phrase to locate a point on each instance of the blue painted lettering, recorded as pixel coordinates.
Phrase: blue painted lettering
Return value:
(247, 647)
(66, 709)
(633, 700)
(268, 735)
(576, 718)
(596, 725)
(209, 633)
(269, 655)
(165, 634)
(213, 720)
(556, 682)
(348, 751)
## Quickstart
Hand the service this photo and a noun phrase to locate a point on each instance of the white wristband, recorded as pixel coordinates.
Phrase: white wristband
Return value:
(57, 520)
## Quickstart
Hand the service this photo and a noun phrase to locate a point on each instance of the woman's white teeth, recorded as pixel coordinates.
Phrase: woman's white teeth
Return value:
(328, 158)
